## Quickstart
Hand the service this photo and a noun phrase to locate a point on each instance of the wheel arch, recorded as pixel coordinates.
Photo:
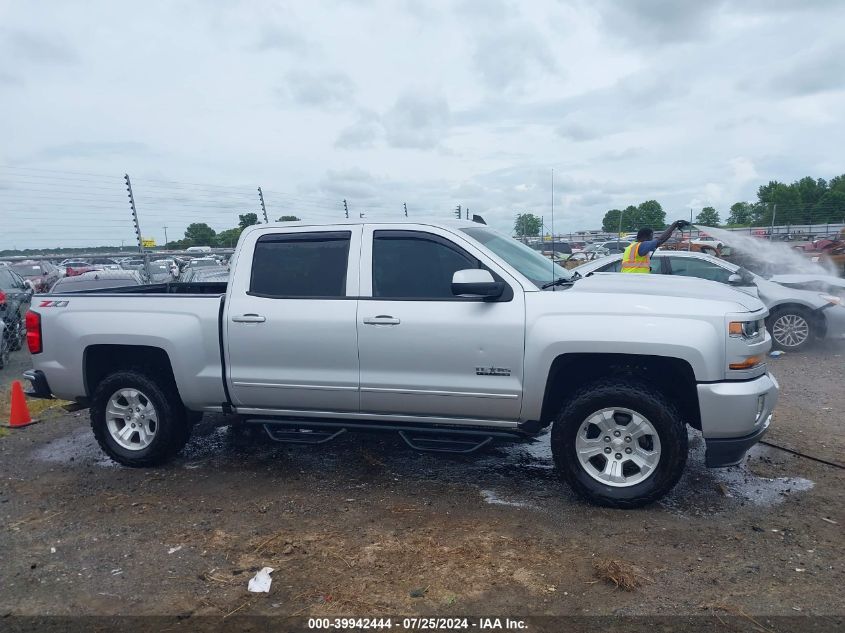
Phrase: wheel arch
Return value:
(816, 316)
(674, 377)
(98, 361)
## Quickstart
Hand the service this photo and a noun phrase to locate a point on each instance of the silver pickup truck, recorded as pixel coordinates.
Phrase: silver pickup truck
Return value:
(450, 333)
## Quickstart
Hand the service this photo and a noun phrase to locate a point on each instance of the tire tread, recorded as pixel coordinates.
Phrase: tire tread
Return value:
(175, 428)
(611, 390)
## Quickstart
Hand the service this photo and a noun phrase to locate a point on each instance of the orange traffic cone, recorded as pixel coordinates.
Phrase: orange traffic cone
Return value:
(19, 415)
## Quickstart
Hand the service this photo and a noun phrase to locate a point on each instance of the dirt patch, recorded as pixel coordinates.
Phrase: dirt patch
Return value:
(620, 574)
(365, 526)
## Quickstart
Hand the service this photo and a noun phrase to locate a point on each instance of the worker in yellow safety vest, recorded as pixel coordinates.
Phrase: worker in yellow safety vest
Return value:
(637, 257)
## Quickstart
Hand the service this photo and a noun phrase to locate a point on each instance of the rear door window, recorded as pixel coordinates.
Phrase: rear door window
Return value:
(300, 265)
(6, 279)
(692, 267)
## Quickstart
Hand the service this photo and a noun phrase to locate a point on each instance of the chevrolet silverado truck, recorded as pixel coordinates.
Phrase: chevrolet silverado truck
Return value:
(449, 333)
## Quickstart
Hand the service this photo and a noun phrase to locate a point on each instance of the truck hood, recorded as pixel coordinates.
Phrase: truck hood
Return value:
(667, 286)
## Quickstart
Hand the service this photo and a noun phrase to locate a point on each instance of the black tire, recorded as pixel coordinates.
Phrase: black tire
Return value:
(642, 399)
(4, 351)
(17, 337)
(791, 312)
(172, 432)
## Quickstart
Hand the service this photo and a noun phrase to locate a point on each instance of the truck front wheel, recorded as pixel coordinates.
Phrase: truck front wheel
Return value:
(136, 421)
(620, 443)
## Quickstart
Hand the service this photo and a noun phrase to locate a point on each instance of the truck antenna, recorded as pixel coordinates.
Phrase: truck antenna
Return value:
(553, 227)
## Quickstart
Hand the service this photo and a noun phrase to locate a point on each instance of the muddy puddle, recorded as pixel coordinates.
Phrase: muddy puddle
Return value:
(519, 475)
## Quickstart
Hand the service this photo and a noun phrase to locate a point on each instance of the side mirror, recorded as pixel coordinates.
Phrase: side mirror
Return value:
(735, 280)
(478, 283)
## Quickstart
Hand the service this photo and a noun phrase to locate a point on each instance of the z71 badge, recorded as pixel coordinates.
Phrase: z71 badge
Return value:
(492, 371)
(53, 304)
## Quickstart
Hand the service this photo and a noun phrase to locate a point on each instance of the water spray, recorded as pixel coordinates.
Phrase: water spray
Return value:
(777, 256)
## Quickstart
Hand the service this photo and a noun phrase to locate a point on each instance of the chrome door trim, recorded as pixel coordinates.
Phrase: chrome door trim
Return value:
(278, 385)
(432, 392)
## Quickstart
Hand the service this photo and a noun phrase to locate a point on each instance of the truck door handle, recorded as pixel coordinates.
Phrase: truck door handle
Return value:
(382, 319)
(249, 318)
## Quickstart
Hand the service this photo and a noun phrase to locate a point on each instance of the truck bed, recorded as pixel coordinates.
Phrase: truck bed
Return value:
(182, 319)
(189, 288)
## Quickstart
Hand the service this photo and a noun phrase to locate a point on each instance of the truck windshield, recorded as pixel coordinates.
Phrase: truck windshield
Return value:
(524, 259)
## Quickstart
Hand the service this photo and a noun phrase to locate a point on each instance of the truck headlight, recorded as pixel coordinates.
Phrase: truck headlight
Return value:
(746, 329)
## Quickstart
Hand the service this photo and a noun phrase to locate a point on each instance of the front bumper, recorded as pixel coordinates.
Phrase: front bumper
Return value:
(735, 415)
(834, 321)
(721, 452)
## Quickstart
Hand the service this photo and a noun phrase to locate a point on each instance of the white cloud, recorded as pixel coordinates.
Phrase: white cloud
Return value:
(431, 104)
(417, 120)
(322, 89)
(743, 169)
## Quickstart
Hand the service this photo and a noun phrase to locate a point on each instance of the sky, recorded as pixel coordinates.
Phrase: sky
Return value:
(427, 103)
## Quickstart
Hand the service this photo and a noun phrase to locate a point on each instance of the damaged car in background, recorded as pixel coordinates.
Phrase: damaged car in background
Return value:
(802, 307)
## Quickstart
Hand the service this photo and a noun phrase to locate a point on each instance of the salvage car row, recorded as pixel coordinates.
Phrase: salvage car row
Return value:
(19, 281)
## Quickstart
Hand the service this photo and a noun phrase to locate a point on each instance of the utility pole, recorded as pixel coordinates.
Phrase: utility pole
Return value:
(345, 208)
(458, 212)
(263, 208)
(553, 222)
(689, 244)
(165, 236)
(467, 213)
(774, 213)
(134, 212)
(405, 204)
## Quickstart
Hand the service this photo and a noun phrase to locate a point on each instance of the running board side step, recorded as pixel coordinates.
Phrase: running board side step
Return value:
(288, 435)
(431, 439)
(444, 443)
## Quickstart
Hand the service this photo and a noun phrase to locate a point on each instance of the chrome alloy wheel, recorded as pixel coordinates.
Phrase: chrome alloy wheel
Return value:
(131, 419)
(790, 330)
(618, 447)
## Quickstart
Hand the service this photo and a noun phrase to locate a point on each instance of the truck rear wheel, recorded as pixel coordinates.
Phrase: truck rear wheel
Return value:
(620, 443)
(136, 421)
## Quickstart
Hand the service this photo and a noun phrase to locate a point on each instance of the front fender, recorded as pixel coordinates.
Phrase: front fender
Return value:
(700, 343)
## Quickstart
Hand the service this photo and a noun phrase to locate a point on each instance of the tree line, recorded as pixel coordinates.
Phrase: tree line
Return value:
(200, 234)
(804, 201)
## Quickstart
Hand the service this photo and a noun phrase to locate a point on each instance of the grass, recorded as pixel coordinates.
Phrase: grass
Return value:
(39, 409)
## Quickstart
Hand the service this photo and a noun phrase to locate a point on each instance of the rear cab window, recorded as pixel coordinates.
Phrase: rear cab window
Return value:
(300, 265)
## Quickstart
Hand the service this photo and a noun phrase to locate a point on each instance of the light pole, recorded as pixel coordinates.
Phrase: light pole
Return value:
(619, 232)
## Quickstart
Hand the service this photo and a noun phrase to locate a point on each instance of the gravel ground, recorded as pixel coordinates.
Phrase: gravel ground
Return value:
(365, 526)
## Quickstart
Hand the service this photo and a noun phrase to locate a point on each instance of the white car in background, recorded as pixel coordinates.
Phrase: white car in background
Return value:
(706, 240)
(802, 308)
